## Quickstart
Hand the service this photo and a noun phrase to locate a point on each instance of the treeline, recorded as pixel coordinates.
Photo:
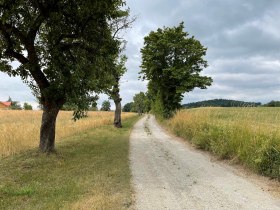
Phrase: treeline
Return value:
(272, 104)
(229, 103)
(221, 103)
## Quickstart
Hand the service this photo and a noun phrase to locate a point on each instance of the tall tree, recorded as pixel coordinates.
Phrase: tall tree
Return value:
(139, 102)
(172, 62)
(118, 69)
(64, 48)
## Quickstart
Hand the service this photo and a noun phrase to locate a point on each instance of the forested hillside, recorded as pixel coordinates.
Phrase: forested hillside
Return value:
(221, 103)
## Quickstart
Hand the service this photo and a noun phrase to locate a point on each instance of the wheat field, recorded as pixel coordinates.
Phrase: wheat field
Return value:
(19, 130)
(250, 136)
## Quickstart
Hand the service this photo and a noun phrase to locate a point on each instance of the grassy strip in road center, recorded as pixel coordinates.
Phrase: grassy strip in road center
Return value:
(90, 171)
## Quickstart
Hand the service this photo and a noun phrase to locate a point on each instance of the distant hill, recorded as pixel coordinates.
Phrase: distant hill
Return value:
(221, 103)
(273, 104)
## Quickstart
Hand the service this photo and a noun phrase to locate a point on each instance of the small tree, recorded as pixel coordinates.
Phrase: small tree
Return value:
(15, 105)
(106, 106)
(172, 62)
(27, 106)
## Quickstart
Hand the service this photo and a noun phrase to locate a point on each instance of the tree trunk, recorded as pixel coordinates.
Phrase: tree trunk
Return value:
(118, 112)
(47, 132)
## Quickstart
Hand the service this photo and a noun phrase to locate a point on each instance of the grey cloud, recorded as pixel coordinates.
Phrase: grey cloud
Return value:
(15, 88)
(252, 65)
(242, 37)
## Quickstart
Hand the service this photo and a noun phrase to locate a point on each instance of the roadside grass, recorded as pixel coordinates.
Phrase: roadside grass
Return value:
(90, 171)
(20, 129)
(250, 136)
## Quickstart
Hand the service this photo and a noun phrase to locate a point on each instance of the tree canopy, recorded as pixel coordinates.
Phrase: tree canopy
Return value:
(106, 106)
(66, 42)
(139, 103)
(127, 107)
(64, 48)
(27, 106)
(172, 62)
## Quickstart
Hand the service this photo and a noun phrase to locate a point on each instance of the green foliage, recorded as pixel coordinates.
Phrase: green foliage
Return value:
(273, 104)
(172, 62)
(65, 48)
(158, 106)
(27, 106)
(270, 162)
(68, 107)
(221, 103)
(118, 69)
(90, 104)
(147, 102)
(15, 105)
(93, 107)
(127, 107)
(139, 103)
(244, 135)
(106, 106)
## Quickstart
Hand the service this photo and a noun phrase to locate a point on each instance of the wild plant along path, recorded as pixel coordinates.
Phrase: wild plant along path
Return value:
(169, 175)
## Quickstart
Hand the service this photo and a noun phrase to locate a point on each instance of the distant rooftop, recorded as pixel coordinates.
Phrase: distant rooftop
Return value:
(7, 104)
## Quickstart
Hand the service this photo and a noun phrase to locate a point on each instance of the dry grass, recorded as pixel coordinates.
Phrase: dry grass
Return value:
(19, 130)
(250, 136)
(90, 171)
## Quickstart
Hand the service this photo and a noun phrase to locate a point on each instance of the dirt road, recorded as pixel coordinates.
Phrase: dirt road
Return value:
(169, 175)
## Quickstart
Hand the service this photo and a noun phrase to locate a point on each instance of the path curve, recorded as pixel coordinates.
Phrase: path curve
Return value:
(166, 174)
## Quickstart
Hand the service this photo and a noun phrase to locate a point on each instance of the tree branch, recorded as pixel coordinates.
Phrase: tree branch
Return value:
(10, 48)
(21, 58)
(121, 24)
(43, 15)
(8, 28)
(35, 71)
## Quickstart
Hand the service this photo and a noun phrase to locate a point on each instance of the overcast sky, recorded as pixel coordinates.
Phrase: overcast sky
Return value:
(242, 37)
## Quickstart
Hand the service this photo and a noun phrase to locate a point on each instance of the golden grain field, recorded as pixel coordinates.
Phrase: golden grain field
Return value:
(250, 136)
(19, 130)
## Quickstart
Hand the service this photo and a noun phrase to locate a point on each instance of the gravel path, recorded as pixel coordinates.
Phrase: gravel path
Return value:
(169, 175)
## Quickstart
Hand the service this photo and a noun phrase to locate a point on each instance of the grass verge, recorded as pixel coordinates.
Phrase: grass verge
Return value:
(90, 171)
(250, 136)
